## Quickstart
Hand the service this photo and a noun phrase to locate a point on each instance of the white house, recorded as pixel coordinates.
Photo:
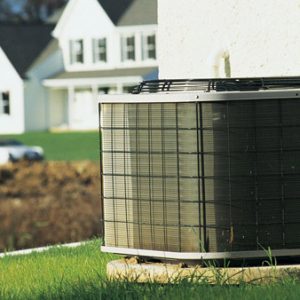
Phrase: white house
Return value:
(105, 47)
(234, 38)
(11, 98)
(95, 47)
(19, 46)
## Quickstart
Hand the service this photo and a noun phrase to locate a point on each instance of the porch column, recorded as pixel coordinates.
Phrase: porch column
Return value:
(95, 96)
(71, 96)
(95, 93)
(119, 88)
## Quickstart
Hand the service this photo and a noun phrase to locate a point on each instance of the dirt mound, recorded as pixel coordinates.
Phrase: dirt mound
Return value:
(48, 203)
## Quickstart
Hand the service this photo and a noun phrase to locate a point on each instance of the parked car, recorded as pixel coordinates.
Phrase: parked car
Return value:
(4, 156)
(15, 151)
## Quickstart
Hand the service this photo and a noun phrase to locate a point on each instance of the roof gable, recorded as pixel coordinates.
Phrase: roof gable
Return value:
(22, 43)
(82, 17)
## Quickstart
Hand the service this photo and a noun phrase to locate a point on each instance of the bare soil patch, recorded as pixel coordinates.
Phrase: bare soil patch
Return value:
(48, 203)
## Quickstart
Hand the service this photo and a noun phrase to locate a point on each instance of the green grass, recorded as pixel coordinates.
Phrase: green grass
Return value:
(52, 274)
(63, 146)
(79, 273)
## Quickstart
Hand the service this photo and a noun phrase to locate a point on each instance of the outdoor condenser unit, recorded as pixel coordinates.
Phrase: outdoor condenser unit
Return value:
(202, 169)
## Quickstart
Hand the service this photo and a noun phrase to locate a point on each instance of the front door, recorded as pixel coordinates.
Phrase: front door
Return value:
(85, 110)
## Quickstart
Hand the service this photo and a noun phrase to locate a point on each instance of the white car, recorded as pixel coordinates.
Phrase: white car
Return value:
(14, 150)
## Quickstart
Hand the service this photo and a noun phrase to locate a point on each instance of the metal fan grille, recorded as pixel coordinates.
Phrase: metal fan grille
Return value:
(218, 85)
(195, 177)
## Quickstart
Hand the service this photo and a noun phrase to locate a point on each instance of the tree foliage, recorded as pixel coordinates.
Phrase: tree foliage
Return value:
(28, 10)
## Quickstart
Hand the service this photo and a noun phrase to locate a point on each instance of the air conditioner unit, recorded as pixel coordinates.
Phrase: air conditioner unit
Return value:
(202, 169)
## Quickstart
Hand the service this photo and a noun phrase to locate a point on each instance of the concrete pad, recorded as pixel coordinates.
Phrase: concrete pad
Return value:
(132, 271)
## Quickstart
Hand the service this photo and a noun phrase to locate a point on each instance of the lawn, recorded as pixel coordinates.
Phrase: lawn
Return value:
(79, 273)
(63, 146)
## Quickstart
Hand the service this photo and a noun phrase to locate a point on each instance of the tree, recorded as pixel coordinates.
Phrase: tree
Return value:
(6, 12)
(39, 10)
(28, 10)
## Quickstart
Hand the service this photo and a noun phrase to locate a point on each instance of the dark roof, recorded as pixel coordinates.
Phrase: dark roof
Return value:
(140, 12)
(50, 49)
(115, 9)
(22, 43)
(122, 12)
(131, 12)
(107, 73)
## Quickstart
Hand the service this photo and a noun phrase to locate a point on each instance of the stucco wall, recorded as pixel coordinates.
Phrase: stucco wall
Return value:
(261, 38)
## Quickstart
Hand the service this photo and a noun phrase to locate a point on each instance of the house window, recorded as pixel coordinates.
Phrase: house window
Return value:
(149, 47)
(76, 51)
(4, 103)
(128, 48)
(100, 52)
